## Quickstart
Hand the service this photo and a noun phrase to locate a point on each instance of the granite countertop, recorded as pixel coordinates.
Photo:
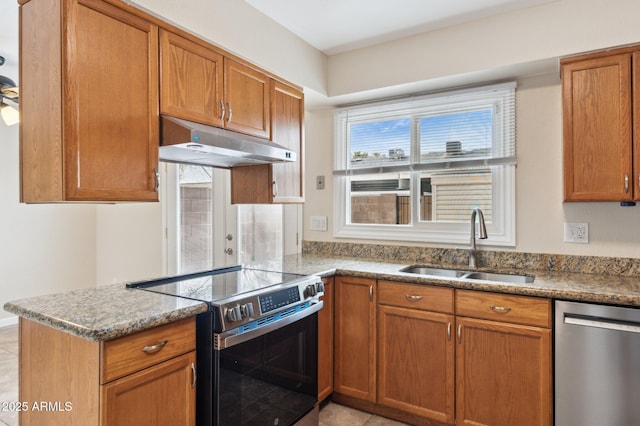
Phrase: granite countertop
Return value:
(593, 288)
(105, 312)
(112, 311)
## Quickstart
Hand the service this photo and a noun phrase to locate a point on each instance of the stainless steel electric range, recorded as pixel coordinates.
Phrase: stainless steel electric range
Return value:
(256, 346)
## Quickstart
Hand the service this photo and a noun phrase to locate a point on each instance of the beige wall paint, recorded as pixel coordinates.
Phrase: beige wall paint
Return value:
(43, 248)
(490, 46)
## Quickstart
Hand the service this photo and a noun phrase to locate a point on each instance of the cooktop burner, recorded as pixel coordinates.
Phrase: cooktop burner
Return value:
(218, 284)
(239, 296)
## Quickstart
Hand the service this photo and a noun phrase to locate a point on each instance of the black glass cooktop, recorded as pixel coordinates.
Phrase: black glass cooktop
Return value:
(217, 284)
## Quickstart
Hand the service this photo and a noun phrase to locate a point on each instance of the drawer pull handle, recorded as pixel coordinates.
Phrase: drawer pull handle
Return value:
(500, 309)
(412, 298)
(155, 348)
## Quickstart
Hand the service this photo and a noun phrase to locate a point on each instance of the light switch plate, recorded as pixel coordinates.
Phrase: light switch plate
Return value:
(318, 223)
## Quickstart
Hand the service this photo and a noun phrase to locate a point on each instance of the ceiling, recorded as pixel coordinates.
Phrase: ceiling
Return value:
(335, 26)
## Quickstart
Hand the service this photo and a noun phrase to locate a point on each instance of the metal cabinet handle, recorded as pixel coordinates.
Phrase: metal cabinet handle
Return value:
(449, 332)
(230, 112)
(412, 298)
(459, 333)
(500, 309)
(626, 183)
(222, 109)
(193, 369)
(371, 293)
(155, 348)
(156, 175)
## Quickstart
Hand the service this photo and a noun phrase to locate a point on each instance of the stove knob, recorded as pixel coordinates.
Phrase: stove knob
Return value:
(234, 314)
(310, 290)
(247, 310)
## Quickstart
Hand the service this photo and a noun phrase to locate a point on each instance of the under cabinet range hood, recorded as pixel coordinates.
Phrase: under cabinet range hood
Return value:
(184, 141)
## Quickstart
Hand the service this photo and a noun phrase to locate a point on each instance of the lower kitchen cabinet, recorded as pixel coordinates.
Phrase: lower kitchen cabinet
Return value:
(146, 378)
(503, 367)
(142, 398)
(325, 341)
(416, 362)
(437, 356)
(355, 338)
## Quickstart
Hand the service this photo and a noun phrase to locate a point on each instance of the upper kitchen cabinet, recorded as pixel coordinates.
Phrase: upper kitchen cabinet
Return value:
(601, 108)
(191, 80)
(89, 102)
(198, 82)
(246, 99)
(278, 182)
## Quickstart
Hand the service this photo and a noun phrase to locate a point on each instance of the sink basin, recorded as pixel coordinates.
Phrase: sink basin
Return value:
(471, 275)
(505, 278)
(438, 272)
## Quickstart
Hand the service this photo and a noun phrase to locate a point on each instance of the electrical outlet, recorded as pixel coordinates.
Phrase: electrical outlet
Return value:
(576, 233)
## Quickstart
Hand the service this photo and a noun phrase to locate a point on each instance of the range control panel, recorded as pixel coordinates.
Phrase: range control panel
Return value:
(242, 309)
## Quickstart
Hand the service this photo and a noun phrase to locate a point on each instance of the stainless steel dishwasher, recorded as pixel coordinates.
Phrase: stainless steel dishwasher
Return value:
(597, 365)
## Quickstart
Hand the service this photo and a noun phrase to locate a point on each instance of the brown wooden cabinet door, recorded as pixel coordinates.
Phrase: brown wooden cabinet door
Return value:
(596, 98)
(246, 94)
(111, 98)
(503, 374)
(287, 111)
(416, 362)
(325, 341)
(355, 338)
(191, 80)
(90, 118)
(162, 395)
(278, 182)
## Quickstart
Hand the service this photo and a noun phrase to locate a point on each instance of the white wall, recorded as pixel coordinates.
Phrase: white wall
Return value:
(43, 248)
(493, 44)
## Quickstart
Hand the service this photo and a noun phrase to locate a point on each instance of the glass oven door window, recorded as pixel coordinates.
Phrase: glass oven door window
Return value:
(269, 380)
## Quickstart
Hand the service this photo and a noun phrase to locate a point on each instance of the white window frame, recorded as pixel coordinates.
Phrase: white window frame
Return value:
(501, 230)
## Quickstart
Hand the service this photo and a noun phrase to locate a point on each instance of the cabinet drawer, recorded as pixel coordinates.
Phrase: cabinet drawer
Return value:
(504, 307)
(140, 350)
(414, 296)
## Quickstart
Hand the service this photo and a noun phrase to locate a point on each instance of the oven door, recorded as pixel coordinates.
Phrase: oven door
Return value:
(267, 378)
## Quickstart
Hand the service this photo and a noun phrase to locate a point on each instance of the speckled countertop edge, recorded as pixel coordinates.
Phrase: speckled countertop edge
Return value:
(581, 287)
(105, 312)
(112, 311)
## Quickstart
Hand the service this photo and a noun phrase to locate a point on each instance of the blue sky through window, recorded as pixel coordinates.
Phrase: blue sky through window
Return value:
(376, 138)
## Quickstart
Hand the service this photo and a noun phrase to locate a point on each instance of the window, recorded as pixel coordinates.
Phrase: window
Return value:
(414, 169)
(205, 231)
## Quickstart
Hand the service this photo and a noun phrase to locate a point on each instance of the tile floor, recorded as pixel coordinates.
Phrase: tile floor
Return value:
(330, 415)
(8, 374)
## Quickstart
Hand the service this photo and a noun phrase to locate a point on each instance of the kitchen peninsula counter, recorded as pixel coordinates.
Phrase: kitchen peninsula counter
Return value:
(105, 312)
(112, 311)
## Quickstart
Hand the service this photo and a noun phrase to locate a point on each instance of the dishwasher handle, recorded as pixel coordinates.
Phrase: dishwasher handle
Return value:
(605, 323)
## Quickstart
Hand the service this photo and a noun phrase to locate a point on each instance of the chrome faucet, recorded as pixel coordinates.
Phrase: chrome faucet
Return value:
(483, 235)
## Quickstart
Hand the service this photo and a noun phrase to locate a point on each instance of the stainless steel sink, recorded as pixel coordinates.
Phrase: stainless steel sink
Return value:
(470, 275)
(505, 278)
(438, 272)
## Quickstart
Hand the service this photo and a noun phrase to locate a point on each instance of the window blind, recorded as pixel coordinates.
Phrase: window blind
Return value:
(447, 131)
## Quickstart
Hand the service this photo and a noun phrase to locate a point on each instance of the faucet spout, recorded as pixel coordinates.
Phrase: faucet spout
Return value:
(482, 231)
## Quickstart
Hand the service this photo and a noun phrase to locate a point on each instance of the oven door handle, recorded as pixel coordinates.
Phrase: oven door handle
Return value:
(231, 338)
